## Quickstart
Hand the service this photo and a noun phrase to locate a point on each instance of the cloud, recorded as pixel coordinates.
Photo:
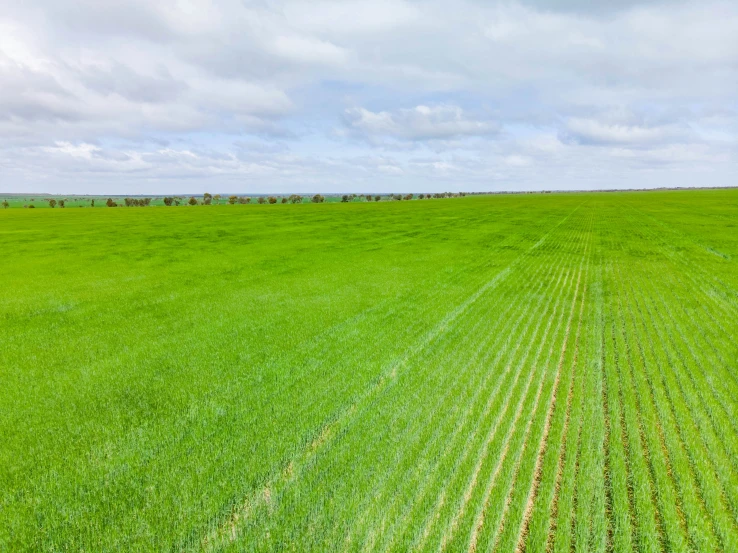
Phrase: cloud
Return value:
(418, 123)
(128, 94)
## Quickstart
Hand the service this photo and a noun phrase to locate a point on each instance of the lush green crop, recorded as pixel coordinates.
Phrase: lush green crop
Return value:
(491, 373)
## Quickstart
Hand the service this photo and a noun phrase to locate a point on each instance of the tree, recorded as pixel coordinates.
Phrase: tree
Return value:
(168, 201)
(409, 197)
(317, 199)
(207, 196)
(62, 202)
(377, 198)
(5, 204)
(52, 202)
(245, 200)
(344, 198)
(217, 198)
(284, 200)
(111, 203)
(261, 199)
(296, 199)
(232, 199)
(272, 200)
(207, 200)
(192, 201)
(92, 202)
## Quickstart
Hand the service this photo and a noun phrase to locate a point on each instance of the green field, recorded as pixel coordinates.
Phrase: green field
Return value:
(550, 372)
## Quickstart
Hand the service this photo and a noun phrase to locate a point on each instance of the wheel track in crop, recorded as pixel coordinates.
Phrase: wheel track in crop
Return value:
(227, 530)
(377, 496)
(318, 438)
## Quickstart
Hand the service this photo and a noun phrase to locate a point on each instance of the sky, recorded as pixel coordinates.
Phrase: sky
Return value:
(283, 96)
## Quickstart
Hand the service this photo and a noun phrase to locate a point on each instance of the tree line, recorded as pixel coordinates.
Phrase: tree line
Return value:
(209, 199)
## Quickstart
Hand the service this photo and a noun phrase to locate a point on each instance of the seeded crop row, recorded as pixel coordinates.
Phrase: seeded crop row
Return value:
(535, 373)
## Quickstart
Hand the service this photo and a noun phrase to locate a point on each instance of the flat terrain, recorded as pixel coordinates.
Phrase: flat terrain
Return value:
(489, 373)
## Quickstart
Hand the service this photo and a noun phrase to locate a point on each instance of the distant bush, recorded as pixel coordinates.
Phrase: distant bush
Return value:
(284, 200)
(344, 198)
(31, 206)
(421, 196)
(111, 203)
(168, 201)
(52, 202)
(207, 200)
(272, 200)
(261, 200)
(176, 201)
(408, 196)
(295, 199)
(192, 201)
(377, 198)
(317, 199)
(62, 202)
(244, 200)
(217, 198)
(232, 199)
(5, 204)
(92, 203)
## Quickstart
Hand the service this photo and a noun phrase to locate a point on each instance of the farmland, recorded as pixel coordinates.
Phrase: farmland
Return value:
(550, 372)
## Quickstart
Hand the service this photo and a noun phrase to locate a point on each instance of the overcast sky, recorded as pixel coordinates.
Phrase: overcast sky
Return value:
(154, 97)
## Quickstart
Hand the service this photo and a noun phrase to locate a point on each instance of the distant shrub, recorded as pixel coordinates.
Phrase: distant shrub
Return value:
(207, 200)
(421, 196)
(111, 203)
(92, 203)
(344, 198)
(31, 206)
(317, 199)
(217, 198)
(192, 201)
(284, 200)
(377, 198)
(168, 201)
(52, 202)
(295, 199)
(5, 204)
(62, 202)
(272, 200)
(176, 201)
(244, 200)
(232, 199)
(408, 196)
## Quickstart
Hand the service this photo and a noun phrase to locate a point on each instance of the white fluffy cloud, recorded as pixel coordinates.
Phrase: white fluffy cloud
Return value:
(126, 96)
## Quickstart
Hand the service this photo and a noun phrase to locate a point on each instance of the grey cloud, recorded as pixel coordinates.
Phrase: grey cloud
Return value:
(418, 123)
(482, 92)
(122, 80)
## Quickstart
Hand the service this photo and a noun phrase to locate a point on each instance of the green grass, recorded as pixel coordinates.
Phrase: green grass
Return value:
(549, 372)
